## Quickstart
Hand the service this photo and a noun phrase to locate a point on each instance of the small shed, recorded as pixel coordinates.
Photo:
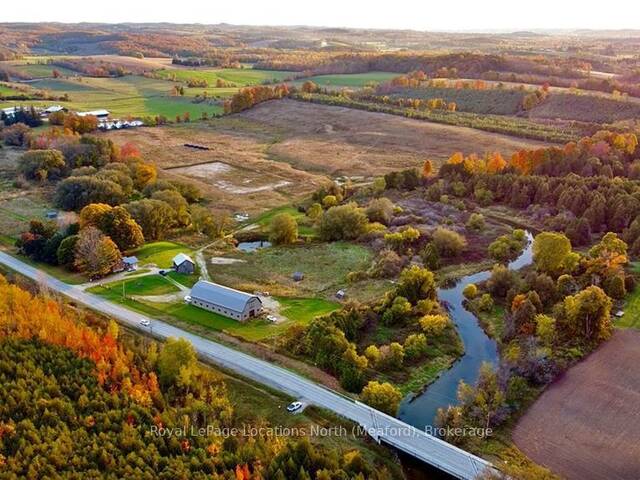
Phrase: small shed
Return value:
(619, 313)
(297, 276)
(51, 215)
(130, 263)
(182, 263)
(341, 294)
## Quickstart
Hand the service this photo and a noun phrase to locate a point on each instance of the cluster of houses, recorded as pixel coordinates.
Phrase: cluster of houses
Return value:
(104, 123)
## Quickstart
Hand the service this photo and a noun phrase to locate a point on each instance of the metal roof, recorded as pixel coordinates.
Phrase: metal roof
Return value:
(95, 113)
(130, 260)
(220, 295)
(180, 258)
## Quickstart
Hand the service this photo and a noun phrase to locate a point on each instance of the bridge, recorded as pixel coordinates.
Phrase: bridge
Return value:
(381, 427)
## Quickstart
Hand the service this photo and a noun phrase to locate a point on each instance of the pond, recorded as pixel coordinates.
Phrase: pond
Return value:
(253, 246)
(420, 410)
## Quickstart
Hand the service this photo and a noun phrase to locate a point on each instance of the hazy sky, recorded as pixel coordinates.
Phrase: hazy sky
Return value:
(411, 14)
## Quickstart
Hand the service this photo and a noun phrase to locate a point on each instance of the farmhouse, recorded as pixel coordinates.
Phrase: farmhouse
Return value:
(225, 301)
(182, 263)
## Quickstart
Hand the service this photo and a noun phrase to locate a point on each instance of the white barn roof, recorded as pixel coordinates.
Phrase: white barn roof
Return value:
(95, 113)
(180, 258)
(220, 295)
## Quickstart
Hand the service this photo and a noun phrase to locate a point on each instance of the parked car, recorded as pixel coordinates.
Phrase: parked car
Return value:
(272, 318)
(144, 322)
(293, 407)
(187, 299)
(163, 272)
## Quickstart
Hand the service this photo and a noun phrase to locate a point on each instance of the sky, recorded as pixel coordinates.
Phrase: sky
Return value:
(442, 15)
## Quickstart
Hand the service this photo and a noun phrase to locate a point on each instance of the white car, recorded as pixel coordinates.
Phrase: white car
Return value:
(272, 318)
(187, 299)
(293, 407)
(144, 322)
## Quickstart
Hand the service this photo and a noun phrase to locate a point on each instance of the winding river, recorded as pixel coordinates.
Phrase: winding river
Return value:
(420, 410)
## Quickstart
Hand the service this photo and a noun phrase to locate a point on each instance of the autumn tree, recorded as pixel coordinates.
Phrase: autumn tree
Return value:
(586, 315)
(343, 222)
(553, 255)
(177, 358)
(427, 168)
(95, 254)
(283, 230)
(155, 217)
(42, 165)
(382, 396)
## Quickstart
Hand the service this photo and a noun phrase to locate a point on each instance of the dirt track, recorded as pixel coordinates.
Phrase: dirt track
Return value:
(586, 426)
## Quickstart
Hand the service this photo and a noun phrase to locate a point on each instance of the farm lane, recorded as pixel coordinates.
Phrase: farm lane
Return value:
(382, 427)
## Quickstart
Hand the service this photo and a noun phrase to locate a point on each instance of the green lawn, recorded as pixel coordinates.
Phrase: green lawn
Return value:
(631, 318)
(324, 265)
(161, 253)
(253, 330)
(303, 310)
(183, 278)
(144, 285)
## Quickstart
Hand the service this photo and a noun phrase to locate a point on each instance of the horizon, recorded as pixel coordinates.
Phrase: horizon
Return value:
(470, 17)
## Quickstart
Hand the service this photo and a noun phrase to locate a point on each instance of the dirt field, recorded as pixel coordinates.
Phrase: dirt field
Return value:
(344, 141)
(281, 151)
(236, 172)
(586, 426)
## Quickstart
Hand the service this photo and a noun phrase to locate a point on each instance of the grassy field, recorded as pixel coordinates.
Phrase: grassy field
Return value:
(145, 285)
(160, 253)
(183, 278)
(239, 76)
(494, 101)
(303, 310)
(586, 108)
(17, 211)
(631, 318)
(39, 70)
(265, 219)
(325, 267)
(354, 80)
(124, 96)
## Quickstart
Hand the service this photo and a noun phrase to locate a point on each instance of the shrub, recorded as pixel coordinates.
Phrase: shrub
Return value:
(448, 243)
(434, 324)
(415, 345)
(476, 222)
(344, 222)
(283, 230)
(470, 291)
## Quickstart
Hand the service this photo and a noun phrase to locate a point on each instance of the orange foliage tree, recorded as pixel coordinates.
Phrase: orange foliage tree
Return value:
(25, 316)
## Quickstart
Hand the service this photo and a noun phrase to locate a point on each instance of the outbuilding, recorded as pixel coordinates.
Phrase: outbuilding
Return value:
(298, 276)
(130, 263)
(225, 301)
(182, 263)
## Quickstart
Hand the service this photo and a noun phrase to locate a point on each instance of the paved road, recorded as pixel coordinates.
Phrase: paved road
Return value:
(382, 427)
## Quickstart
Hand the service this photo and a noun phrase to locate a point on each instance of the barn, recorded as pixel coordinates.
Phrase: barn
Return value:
(182, 263)
(225, 301)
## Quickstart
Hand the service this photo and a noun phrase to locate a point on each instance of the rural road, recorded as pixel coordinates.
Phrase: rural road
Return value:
(380, 426)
